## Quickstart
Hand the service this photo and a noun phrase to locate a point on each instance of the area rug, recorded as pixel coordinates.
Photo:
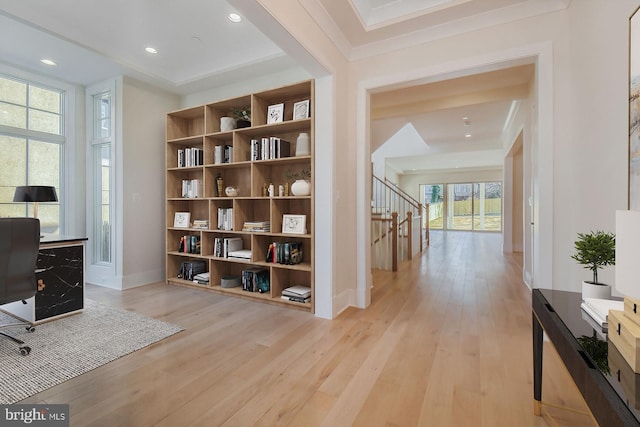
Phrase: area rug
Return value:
(65, 348)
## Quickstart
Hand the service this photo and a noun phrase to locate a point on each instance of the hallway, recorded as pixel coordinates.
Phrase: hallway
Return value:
(467, 340)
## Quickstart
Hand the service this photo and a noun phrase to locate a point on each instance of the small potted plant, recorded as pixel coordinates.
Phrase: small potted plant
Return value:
(300, 185)
(242, 116)
(594, 251)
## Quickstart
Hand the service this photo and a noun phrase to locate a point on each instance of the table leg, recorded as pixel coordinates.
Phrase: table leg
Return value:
(537, 365)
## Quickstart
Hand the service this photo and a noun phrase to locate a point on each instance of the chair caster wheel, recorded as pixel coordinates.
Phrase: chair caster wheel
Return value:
(25, 350)
(30, 328)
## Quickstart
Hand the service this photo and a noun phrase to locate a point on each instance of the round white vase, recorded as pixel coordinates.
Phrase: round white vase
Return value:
(303, 145)
(301, 187)
(227, 124)
(592, 290)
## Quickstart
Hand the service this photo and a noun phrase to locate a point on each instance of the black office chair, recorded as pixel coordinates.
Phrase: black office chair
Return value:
(19, 244)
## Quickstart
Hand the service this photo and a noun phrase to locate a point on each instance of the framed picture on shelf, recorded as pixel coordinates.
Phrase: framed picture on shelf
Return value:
(294, 224)
(275, 113)
(301, 110)
(181, 219)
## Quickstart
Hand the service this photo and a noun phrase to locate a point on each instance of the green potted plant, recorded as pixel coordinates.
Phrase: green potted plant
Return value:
(594, 251)
(242, 116)
(299, 181)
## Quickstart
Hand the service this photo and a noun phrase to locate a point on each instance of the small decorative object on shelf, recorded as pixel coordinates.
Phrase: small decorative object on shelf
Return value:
(231, 191)
(275, 113)
(300, 185)
(295, 224)
(302, 144)
(301, 110)
(219, 185)
(181, 219)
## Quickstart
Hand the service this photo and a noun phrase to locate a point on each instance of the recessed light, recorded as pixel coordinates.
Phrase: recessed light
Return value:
(48, 62)
(234, 17)
(150, 49)
(468, 135)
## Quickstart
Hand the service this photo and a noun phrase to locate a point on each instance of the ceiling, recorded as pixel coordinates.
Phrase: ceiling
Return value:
(199, 48)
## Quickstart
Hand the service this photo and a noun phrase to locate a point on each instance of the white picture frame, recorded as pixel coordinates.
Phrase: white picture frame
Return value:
(294, 224)
(301, 110)
(181, 219)
(275, 113)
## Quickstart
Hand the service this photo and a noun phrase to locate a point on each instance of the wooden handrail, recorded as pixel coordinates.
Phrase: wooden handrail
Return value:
(404, 197)
(400, 191)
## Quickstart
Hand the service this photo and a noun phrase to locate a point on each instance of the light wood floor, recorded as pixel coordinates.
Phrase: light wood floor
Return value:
(446, 342)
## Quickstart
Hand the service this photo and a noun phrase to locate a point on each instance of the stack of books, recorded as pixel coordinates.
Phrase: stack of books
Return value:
(202, 278)
(597, 311)
(257, 226)
(200, 224)
(297, 293)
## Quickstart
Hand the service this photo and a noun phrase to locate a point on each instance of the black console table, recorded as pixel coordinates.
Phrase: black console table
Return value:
(60, 276)
(558, 313)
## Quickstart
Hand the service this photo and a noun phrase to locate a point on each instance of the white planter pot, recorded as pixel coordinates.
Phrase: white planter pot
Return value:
(301, 187)
(591, 290)
(227, 124)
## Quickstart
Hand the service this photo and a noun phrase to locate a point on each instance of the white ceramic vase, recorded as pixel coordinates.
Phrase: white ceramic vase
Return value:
(592, 290)
(301, 187)
(227, 124)
(303, 145)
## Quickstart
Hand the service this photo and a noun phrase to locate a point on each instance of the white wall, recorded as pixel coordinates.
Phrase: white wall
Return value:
(143, 186)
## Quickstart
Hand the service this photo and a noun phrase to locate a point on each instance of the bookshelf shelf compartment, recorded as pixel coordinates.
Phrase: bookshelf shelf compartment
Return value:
(231, 157)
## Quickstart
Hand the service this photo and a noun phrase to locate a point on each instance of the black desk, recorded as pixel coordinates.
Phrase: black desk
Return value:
(558, 313)
(60, 276)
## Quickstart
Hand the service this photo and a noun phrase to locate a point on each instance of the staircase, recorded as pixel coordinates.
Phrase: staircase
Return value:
(396, 232)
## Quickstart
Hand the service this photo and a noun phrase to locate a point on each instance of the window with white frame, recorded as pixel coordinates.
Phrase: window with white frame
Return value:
(102, 172)
(32, 143)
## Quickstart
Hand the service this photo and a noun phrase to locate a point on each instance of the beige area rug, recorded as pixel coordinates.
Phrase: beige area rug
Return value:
(65, 348)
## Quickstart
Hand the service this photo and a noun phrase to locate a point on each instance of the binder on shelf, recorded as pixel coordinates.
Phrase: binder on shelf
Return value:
(217, 154)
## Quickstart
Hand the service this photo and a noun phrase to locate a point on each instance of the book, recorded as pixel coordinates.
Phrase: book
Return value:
(243, 254)
(598, 308)
(297, 291)
(296, 299)
(231, 244)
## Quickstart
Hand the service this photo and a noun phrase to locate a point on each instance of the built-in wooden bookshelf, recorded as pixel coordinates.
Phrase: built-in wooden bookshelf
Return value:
(198, 129)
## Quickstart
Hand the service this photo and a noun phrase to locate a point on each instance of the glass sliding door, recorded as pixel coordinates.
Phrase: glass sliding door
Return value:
(487, 206)
(459, 206)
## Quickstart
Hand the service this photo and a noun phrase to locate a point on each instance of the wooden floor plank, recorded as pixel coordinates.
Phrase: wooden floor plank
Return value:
(445, 342)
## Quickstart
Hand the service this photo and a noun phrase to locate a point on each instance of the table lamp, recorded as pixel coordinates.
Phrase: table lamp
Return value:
(35, 194)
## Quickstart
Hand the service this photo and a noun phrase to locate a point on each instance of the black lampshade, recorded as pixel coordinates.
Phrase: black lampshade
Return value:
(35, 193)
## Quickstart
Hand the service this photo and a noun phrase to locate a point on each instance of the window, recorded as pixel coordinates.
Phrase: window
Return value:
(32, 143)
(102, 172)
